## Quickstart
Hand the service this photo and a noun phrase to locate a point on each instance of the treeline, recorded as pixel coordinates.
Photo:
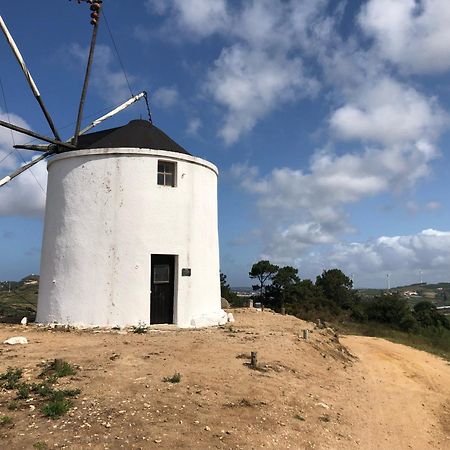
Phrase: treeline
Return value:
(332, 298)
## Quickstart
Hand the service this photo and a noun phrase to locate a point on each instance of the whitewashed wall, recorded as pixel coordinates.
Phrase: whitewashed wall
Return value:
(105, 216)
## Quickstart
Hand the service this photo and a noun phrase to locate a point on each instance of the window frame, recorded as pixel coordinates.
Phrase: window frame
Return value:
(165, 174)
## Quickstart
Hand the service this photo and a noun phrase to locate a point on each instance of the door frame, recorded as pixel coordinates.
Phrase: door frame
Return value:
(175, 286)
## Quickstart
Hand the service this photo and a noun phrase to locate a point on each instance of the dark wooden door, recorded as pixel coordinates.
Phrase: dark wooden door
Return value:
(162, 287)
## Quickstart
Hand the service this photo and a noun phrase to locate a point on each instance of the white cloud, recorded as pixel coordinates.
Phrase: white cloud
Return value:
(299, 209)
(433, 206)
(387, 112)
(252, 83)
(194, 126)
(22, 196)
(413, 34)
(165, 96)
(109, 81)
(428, 250)
(199, 17)
(260, 69)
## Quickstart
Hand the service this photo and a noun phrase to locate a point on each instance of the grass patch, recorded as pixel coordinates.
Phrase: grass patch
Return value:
(40, 446)
(23, 391)
(431, 341)
(54, 402)
(58, 368)
(175, 378)
(10, 379)
(56, 407)
(13, 406)
(5, 421)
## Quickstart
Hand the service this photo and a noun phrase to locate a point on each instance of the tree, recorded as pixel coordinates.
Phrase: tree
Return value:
(427, 315)
(337, 287)
(225, 290)
(283, 281)
(392, 310)
(262, 271)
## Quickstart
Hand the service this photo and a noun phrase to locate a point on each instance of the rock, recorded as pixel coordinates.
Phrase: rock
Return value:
(224, 303)
(230, 318)
(207, 428)
(323, 405)
(16, 340)
(24, 321)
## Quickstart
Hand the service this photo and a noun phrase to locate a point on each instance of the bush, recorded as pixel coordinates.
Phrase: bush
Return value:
(175, 378)
(390, 309)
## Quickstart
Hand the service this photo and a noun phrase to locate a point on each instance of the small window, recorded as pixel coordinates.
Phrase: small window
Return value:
(166, 173)
(161, 274)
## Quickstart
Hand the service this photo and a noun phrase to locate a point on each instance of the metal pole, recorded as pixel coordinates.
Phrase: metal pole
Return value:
(34, 148)
(28, 76)
(35, 135)
(17, 172)
(85, 85)
(112, 113)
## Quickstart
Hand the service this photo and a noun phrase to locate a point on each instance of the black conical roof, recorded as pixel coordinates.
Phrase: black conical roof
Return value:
(136, 134)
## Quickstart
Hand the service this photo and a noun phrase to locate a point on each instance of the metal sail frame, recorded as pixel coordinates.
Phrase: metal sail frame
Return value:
(56, 145)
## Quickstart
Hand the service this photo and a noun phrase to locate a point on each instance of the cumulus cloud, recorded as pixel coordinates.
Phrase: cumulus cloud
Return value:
(428, 250)
(260, 69)
(250, 84)
(110, 81)
(388, 112)
(299, 208)
(23, 195)
(413, 34)
(194, 126)
(165, 96)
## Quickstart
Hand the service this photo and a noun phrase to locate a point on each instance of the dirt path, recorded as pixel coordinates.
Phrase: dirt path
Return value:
(405, 394)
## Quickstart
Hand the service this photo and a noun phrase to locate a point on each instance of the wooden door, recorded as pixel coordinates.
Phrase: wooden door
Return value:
(162, 287)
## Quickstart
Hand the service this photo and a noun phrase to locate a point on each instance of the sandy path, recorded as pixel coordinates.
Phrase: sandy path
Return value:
(404, 396)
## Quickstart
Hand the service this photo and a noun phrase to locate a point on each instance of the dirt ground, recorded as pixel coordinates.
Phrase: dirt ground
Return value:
(307, 394)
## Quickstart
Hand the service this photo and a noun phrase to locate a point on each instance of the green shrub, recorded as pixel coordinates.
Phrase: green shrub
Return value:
(57, 406)
(175, 378)
(5, 420)
(58, 368)
(11, 378)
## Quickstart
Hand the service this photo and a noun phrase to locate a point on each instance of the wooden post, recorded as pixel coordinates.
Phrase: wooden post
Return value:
(254, 359)
(305, 334)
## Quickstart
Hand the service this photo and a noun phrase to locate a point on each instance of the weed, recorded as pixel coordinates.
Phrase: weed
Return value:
(141, 328)
(299, 417)
(13, 406)
(23, 391)
(70, 392)
(58, 368)
(175, 378)
(42, 389)
(40, 446)
(5, 420)
(11, 378)
(57, 407)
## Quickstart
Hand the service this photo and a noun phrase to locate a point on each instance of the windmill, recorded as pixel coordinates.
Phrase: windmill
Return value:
(131, 226)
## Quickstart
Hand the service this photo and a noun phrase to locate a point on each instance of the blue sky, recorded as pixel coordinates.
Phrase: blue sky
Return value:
(328, 120)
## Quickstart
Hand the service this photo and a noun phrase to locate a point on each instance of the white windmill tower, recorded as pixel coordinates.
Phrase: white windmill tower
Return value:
(131, 233)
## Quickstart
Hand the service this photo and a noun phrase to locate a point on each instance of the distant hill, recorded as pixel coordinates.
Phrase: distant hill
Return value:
(437, 293)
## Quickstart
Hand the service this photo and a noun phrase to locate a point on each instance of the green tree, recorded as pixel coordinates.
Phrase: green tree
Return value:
(427, 315)
(283, 282)
(262, 271)
(225, 290)
(337, 287)
(391, 309)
